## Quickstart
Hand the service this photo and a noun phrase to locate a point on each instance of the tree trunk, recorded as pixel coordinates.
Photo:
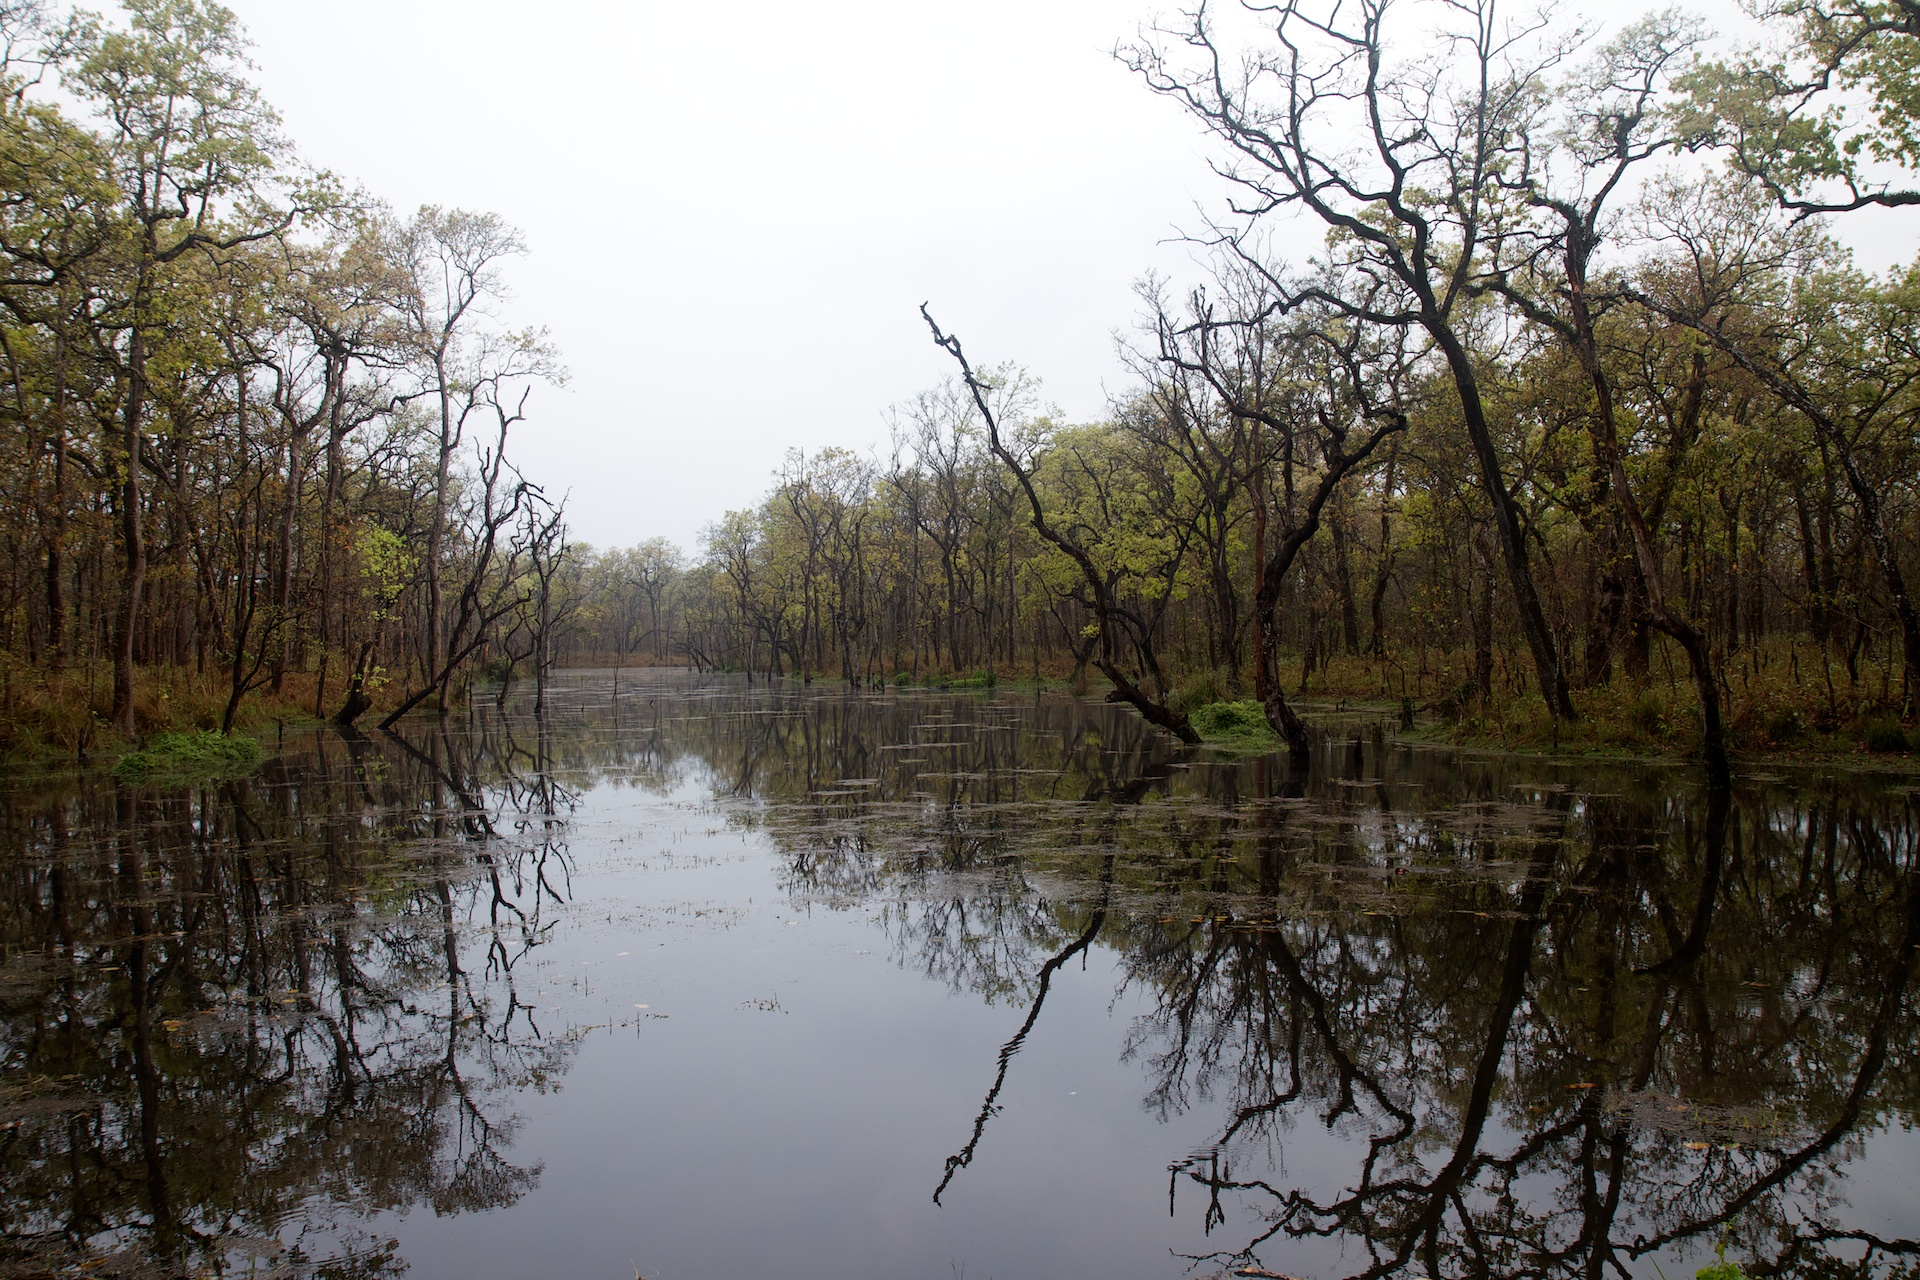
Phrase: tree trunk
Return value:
(1343, 583)
(56, 531)
(283, 556)
(1506, 520)
(132, 535)
(442, 479)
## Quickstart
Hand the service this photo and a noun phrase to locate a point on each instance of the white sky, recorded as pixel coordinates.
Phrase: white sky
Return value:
(734, 210)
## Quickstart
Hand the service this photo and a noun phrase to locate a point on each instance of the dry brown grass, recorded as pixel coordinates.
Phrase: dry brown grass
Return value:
(64, 714)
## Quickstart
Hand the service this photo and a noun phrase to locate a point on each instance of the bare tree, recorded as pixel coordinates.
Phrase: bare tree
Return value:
(1117, 624)
(491, 587)
(449, 261)
(1414, 210)
(1319, 395)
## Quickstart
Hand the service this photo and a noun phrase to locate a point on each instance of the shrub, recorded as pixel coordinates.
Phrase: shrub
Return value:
(1886, 737)
(1646, 713)
(1197, 691)
(189, 757)
(1722, 1267)
(1234, 724)
(1786, 726)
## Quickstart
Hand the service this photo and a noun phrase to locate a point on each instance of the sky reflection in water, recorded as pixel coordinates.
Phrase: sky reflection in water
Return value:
(707, 980)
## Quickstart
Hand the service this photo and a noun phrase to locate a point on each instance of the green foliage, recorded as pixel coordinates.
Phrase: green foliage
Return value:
(1238, 725)
(189, 757)
(1839, 90)
(1721, 1268)
(386, 566)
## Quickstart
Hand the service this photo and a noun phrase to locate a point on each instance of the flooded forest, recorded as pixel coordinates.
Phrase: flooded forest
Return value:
(1418, 788)
(694, 977)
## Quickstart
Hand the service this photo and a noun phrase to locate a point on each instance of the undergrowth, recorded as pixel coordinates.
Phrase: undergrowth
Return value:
(1784, 699)
(48, 716)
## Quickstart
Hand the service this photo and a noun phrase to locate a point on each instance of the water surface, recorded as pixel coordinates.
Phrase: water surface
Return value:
(691, 978)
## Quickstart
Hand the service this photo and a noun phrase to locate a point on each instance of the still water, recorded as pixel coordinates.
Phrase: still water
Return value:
(687, 978)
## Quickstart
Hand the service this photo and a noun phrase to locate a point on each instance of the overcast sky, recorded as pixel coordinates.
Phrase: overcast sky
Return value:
(733, 211)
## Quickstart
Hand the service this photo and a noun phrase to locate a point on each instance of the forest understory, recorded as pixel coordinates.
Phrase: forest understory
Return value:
(1787, 703)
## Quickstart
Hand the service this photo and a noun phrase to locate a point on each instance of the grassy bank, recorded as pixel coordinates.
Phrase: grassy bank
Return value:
(1783, 700)
(1645, 723)
(1234, 726)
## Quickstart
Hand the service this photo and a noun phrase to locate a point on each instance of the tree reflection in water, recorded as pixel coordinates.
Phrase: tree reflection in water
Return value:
(241, 1018)
(1563, 1017)
(1445, 1015)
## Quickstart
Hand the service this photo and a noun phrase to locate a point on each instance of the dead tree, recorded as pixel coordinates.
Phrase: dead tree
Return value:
(492, 587)
(1113, 620)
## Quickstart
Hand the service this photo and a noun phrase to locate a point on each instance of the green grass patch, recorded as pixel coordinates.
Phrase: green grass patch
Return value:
(1241, 725)
(189, 757)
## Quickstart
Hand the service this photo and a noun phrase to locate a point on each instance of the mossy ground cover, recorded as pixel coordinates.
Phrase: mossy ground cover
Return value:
(974, 681)
(189, 757)
(1618, 722)
(1236, 726)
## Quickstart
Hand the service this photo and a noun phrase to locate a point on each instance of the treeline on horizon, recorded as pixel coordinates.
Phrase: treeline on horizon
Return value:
(1579, 397)
(1528, 384)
